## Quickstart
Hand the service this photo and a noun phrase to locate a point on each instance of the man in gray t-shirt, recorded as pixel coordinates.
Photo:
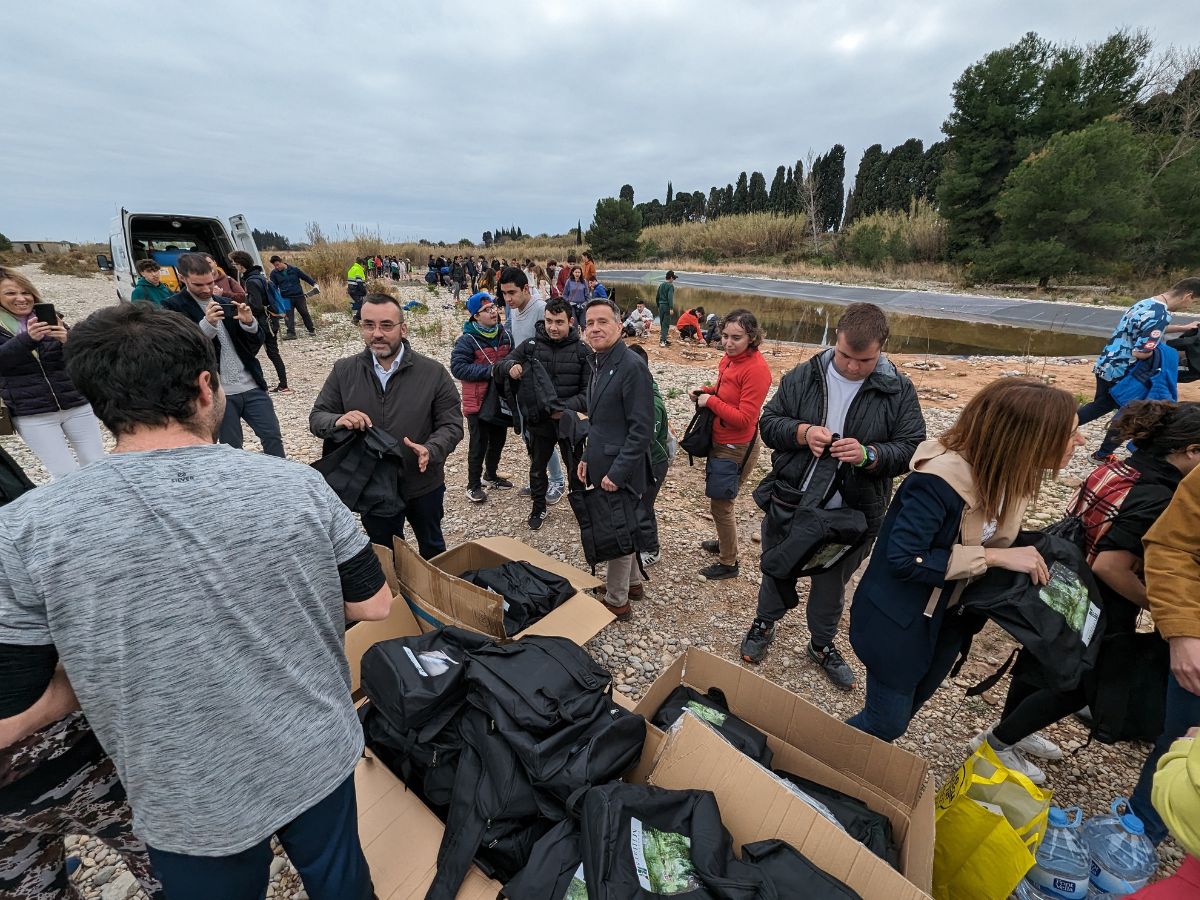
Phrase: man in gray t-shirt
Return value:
(197, 596)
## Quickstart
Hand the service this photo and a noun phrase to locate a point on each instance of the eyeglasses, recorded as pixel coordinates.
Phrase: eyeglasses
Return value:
(382, 326)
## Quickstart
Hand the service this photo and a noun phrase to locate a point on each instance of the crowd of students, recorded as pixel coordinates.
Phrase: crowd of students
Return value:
(168, 377)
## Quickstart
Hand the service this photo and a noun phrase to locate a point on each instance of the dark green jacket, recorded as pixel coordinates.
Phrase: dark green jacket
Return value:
(658, 443)
(152, 293)
(665, 298)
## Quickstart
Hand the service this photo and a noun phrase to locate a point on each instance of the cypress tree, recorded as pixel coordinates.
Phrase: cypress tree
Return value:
(741, 196)
(777, 194)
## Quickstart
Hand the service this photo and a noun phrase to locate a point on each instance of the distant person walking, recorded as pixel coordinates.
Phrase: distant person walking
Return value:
(575, 291)
(665, 300)
(589, 267)
(287, 278)
(1135, 338)
(48, 411)
(258, 297)
(743, 379)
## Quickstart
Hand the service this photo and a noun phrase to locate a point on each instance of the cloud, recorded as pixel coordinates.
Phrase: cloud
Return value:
(451, 119)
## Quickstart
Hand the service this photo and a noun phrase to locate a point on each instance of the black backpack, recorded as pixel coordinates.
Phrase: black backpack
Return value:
(612, 524)
(789, 873)
(1189, 356)
(1127, 692)
(713, 709)
(555, 868)
(529, 592)
(641, 842)
(800, 537)
(697, 439)
(1059, 624)
(871, 829)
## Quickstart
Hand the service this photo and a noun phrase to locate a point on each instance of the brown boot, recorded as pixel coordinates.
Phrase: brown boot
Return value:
(623, 613)
(637, 592)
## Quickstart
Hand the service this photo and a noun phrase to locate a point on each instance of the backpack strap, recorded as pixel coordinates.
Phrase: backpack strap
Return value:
(991, 680)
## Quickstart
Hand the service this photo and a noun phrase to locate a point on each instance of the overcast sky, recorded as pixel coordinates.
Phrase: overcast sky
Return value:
(445, 119)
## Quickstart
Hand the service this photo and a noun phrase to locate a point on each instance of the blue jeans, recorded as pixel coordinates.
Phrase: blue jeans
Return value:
(321, 842)
(256, 408)
(423, 513)
(1183, 712)
(887, 710)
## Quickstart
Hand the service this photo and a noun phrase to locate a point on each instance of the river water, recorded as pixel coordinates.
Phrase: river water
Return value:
(812, 322)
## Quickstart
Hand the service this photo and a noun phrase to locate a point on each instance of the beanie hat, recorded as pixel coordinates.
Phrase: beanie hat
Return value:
(476, 302)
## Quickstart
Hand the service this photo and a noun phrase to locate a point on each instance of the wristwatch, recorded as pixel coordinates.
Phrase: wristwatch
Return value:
(870, 455)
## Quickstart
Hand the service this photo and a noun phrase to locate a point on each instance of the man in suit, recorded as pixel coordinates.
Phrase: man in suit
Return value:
(620, 410)
(237, 337)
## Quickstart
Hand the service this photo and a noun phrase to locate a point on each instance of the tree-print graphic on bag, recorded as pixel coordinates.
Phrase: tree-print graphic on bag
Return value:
(663, 860)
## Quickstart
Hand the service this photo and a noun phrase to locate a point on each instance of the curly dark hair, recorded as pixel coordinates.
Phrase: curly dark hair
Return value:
(1159, 426)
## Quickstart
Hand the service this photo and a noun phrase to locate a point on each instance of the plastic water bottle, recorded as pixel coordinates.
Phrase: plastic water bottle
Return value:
(1123, 859)
(1026, 891)
(1063, 867)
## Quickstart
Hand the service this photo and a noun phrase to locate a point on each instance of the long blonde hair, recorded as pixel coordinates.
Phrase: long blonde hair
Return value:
(1011, 432)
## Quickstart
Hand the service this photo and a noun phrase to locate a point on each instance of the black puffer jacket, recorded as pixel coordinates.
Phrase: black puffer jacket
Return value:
(885, 415)
(565, 361)
(33, 376)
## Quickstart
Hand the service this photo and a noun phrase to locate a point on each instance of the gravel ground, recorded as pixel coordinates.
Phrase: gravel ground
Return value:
(681, 609)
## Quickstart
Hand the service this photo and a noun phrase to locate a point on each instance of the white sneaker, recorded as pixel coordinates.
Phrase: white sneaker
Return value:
(1040, 746)
(1014, 759)
(649, 559)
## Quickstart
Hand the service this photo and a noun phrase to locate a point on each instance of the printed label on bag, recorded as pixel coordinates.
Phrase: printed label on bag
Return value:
(713, 717)
(577, 889)
(437, 662)
(412, 658)
(1068, 596)
(827, 555)
(663, 860)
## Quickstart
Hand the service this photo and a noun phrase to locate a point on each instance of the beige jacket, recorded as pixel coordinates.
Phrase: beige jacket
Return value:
(967, 557)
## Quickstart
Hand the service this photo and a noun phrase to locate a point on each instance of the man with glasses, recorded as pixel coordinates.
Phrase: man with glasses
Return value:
(411, 397)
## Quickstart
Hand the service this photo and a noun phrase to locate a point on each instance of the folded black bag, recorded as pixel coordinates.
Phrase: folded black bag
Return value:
(419, 683)
(791, 874)
(800, 537)
(640, 842)
(712, 709)
(697, 439)
(612, 524)
(529, 592)
(554, 870)
(426, 765)
(871, 829)
(1059, 624)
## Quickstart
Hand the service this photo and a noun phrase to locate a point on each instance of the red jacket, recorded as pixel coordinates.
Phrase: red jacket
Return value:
(688, 318)
(1183, 885)
(742, 385)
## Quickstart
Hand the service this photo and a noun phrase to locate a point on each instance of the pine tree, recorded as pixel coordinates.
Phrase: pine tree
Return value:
(615, 230)
(716, 197)
(627, 192)
(777, 194)
(830, 180)
(741, 195)
(758, 192)
(848, 215)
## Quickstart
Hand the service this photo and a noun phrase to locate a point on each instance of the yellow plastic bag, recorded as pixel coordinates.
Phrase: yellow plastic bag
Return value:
(983, 851)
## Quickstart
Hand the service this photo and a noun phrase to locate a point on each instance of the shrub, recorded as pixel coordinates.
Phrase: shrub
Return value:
(615, 229)
(73, 262)
(916, 236)
(729, 237)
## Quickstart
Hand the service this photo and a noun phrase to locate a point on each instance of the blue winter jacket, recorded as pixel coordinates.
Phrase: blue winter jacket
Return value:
(288, 281)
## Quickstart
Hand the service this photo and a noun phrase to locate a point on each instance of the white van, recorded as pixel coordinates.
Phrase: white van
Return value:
(164, 236)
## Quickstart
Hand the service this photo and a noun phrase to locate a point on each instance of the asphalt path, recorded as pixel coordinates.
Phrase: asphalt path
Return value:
(1062, 317)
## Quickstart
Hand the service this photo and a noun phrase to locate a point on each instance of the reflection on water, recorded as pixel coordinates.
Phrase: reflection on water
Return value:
(813, 321)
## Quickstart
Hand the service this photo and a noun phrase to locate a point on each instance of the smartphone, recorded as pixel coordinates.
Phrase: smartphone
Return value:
(46, 312)
(230, 310)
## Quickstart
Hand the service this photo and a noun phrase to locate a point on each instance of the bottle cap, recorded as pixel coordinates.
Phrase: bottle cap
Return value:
(1132, 824)
(1058, 818)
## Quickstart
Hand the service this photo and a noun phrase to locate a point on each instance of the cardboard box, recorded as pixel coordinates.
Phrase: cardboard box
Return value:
(755, 806)
(400, 838)
(806, 741)
(438, 597)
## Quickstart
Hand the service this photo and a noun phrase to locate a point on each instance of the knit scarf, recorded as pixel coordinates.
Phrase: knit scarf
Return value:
(473, 327)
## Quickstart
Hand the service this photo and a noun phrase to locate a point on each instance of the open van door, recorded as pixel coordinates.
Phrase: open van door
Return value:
(243, 237)
(122, 259)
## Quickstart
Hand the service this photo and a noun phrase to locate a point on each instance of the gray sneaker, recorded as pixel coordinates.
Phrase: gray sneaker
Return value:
(757, 640)
(555, 493)
(833, 664)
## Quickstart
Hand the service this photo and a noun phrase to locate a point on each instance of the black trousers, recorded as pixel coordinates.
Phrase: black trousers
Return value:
(541, 448)
(484, 449)
(423, 513)
(1102, 405)
(271, 330)
(299, 305)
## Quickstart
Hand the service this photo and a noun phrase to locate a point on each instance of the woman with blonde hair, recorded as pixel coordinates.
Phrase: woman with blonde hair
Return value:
(48, 411)
(952, 519)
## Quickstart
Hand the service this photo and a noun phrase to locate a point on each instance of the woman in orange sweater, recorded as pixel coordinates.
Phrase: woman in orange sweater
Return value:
(743, 379)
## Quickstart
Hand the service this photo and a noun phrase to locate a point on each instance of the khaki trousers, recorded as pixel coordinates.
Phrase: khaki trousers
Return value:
(722, 510)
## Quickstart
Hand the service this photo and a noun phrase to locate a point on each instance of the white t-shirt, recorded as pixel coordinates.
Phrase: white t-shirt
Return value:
(841, 392)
